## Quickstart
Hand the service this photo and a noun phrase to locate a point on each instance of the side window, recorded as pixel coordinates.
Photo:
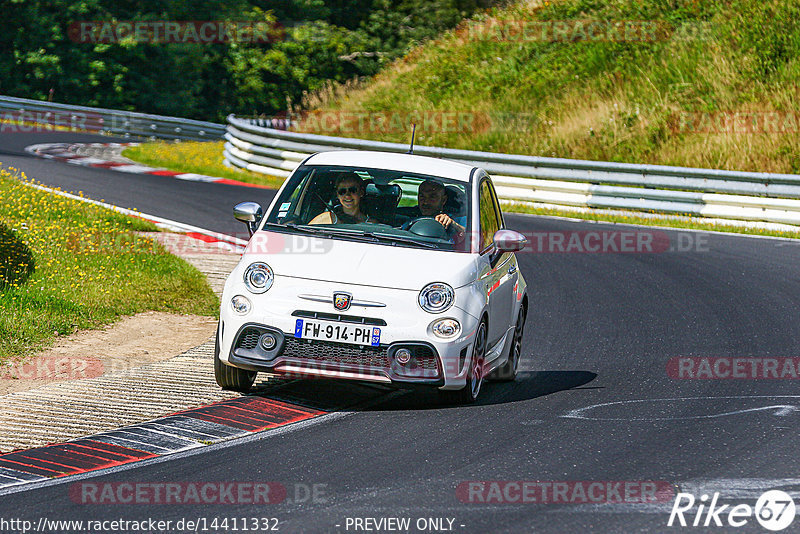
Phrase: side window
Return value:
(296, 199)
(498, 211)
(489, 217)
(289, 209)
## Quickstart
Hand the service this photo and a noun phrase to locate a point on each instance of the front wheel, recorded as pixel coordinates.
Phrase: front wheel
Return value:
(231, 378)
(472, 389)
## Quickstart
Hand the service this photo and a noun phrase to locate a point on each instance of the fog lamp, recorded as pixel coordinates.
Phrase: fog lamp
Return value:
(268, 341)
(402, 356)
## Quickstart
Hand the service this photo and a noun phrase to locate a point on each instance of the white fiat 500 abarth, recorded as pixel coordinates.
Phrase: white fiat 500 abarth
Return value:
(379, 267)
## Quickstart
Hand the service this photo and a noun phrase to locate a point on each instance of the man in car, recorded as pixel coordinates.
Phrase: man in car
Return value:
(431, 198)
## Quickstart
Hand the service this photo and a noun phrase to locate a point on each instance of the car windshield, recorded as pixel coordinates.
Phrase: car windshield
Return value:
(377, 205)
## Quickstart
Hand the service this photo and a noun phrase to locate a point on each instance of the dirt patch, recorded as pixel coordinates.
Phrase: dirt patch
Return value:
(131, 342)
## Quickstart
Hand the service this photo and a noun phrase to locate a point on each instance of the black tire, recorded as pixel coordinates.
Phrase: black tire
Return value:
(508, 371)
(470, 392)
(231, 378)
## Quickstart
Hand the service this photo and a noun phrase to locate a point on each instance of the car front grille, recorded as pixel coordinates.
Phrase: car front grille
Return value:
(423, 357)
(336, 353)
(248, 339)
(422, 364)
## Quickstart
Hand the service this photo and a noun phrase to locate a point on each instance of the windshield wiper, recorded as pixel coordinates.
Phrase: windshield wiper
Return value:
(400, 239)
(293, 226)
(356, 234)
(326, 231)
(353, 234)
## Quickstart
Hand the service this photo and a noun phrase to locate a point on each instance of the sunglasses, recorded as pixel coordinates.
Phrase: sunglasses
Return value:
(342, 191)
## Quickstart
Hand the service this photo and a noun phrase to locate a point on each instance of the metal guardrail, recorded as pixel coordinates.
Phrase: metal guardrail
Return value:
(750, 196)
(40, 114)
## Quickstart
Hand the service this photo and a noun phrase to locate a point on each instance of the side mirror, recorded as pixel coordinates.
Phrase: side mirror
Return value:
(509, 241)
(249, 213)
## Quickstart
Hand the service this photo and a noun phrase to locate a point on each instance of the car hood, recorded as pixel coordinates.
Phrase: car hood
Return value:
(353, 262)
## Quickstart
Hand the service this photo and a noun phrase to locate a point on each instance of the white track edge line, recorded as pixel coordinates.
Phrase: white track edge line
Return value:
(166, 223)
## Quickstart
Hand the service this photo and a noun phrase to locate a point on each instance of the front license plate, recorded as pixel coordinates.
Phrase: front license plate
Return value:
(339, 332)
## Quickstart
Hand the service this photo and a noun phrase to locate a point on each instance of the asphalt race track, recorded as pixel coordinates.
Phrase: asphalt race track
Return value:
(155, 195)
(598, 399)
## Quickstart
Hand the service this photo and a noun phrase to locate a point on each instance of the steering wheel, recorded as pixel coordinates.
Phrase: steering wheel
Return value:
(426, 227)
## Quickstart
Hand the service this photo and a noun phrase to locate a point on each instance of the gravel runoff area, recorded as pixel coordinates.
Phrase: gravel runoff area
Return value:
(134, 372)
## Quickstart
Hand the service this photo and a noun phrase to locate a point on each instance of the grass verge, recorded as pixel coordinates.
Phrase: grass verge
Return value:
(712, 84)
(201, 157)
(89, 267)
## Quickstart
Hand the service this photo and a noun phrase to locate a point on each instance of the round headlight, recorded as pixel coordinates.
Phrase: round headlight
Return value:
(446, 328)
(436, 297)
(258, 277)
(240, 304)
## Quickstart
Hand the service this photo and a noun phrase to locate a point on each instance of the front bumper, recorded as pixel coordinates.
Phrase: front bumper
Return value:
(429, 364)
(435, 361)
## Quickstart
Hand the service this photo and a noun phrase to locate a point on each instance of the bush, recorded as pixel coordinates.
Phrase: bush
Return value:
(16, 259)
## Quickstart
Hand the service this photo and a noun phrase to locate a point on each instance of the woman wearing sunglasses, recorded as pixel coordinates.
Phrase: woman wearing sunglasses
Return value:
(349, 188)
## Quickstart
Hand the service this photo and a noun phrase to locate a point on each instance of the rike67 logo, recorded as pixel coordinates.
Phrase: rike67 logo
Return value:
(774, 510)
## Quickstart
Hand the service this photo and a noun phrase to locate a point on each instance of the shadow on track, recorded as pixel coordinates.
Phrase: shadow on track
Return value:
(528, 385)
(336, 395)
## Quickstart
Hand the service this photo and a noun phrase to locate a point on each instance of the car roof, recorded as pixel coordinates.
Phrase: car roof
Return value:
(394, 162)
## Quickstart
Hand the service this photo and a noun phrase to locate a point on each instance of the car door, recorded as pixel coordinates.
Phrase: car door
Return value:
(498, 271)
